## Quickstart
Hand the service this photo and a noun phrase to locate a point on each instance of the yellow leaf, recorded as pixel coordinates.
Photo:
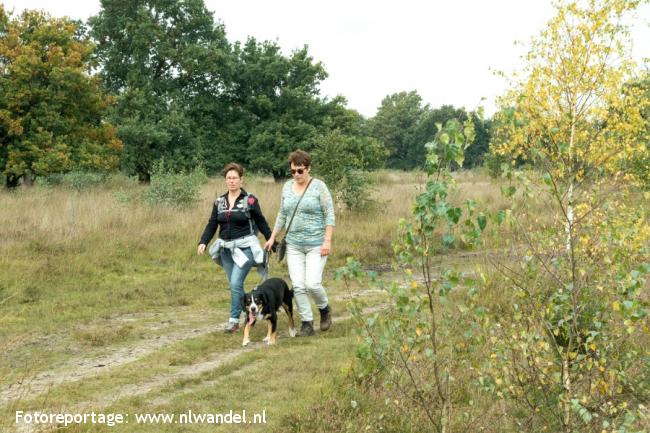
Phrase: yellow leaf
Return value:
(418, 331)
(592, 346)
(616, 306)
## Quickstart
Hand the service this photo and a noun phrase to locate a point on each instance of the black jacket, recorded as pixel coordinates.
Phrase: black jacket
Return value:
(234, 223)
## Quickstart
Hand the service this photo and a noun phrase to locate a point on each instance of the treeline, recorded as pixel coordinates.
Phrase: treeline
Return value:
(157, 80)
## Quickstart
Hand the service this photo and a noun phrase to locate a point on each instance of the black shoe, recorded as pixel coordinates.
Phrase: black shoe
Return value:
(306, 330)
(325, 318)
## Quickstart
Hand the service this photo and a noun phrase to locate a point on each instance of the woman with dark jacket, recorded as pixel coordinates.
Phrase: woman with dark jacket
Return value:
(236, 214)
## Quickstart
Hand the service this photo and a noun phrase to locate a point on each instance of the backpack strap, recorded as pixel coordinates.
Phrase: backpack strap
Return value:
(220, 202)
(247, 211)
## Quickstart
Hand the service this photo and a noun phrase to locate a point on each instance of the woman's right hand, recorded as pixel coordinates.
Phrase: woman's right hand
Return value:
(201, 249)
(269, 244)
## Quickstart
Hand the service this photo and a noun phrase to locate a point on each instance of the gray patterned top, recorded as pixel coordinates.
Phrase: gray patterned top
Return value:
(316, 211)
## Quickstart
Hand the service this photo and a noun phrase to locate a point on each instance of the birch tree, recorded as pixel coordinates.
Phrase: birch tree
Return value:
(572, 355)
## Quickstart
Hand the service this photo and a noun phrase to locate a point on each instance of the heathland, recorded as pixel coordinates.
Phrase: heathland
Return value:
(106, 306)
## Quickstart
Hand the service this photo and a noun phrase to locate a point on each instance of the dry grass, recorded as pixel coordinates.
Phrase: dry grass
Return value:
(83, 274)
(71, 259)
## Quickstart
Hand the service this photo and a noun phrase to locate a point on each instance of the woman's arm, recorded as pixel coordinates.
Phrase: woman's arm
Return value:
(258, 217)
(210, 230)
(327, 205)
(326, 248)
(280, 219)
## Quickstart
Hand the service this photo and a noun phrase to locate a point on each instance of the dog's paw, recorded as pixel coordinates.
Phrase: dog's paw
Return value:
(292, 332)
(245, 343)
(266, 339)
(270, 342)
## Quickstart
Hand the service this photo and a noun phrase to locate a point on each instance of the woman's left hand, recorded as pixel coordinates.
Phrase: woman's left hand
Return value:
(326, 248)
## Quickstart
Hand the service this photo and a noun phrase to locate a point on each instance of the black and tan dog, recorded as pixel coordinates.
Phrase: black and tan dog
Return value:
(263, 303)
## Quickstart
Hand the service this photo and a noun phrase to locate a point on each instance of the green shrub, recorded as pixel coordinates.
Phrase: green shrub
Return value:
(493, 163)
(81, 181)
(125, 196)
(418, 353)
(52, 179)
(77, 180)
(120, 181)
(174, 189)
(341, 163)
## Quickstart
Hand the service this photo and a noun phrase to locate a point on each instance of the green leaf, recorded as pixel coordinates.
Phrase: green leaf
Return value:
(482, 222)
(500, 216)
(454, 214)
(508, 191)
(448, 239)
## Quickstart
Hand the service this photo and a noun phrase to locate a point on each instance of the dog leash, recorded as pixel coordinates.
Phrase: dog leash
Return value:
(265, 262)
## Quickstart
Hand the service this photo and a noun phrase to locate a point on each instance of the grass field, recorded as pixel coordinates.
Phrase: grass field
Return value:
(106, 307)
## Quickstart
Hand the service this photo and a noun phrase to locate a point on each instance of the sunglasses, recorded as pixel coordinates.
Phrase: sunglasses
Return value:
(298, 170)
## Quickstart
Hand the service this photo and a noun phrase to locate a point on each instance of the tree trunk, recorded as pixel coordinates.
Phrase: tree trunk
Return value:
(566, 373)
(12, 181)
(144, 177)
(28, 179)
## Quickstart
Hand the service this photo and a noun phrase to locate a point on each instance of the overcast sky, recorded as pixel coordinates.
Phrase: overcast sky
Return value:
(446, 50)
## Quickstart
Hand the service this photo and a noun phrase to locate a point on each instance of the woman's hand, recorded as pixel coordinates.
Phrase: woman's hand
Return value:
(269, 244)
(201, 249)
(326, 248)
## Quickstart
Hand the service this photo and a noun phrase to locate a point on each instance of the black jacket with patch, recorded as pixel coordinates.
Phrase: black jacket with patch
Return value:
(234, 223)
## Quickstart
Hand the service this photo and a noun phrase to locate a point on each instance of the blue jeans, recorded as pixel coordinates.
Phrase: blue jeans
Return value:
(236, 277)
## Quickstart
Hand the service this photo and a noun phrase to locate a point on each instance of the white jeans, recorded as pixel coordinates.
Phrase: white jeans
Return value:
(306, 272)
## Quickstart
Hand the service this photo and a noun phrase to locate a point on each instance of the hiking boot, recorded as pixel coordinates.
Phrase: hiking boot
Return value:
(325, 318)
(306, 330)
(231, 328)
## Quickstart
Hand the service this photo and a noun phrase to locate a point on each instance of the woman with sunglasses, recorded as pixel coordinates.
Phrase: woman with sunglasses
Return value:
(237, 214)
(309, 239)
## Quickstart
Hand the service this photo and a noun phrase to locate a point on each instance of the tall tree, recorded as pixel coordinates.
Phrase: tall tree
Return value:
(405, 126)
(280, 99)
(474, 156)
(440, 116)
(277, 107)
(169, 65)
(397, 125)
(636, 93)
(570, 356)
(51, 109)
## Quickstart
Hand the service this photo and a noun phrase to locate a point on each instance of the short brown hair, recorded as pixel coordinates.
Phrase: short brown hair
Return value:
(233, 166)
(300, 157)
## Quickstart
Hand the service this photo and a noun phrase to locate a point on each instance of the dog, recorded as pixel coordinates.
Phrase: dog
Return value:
(263, 303)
